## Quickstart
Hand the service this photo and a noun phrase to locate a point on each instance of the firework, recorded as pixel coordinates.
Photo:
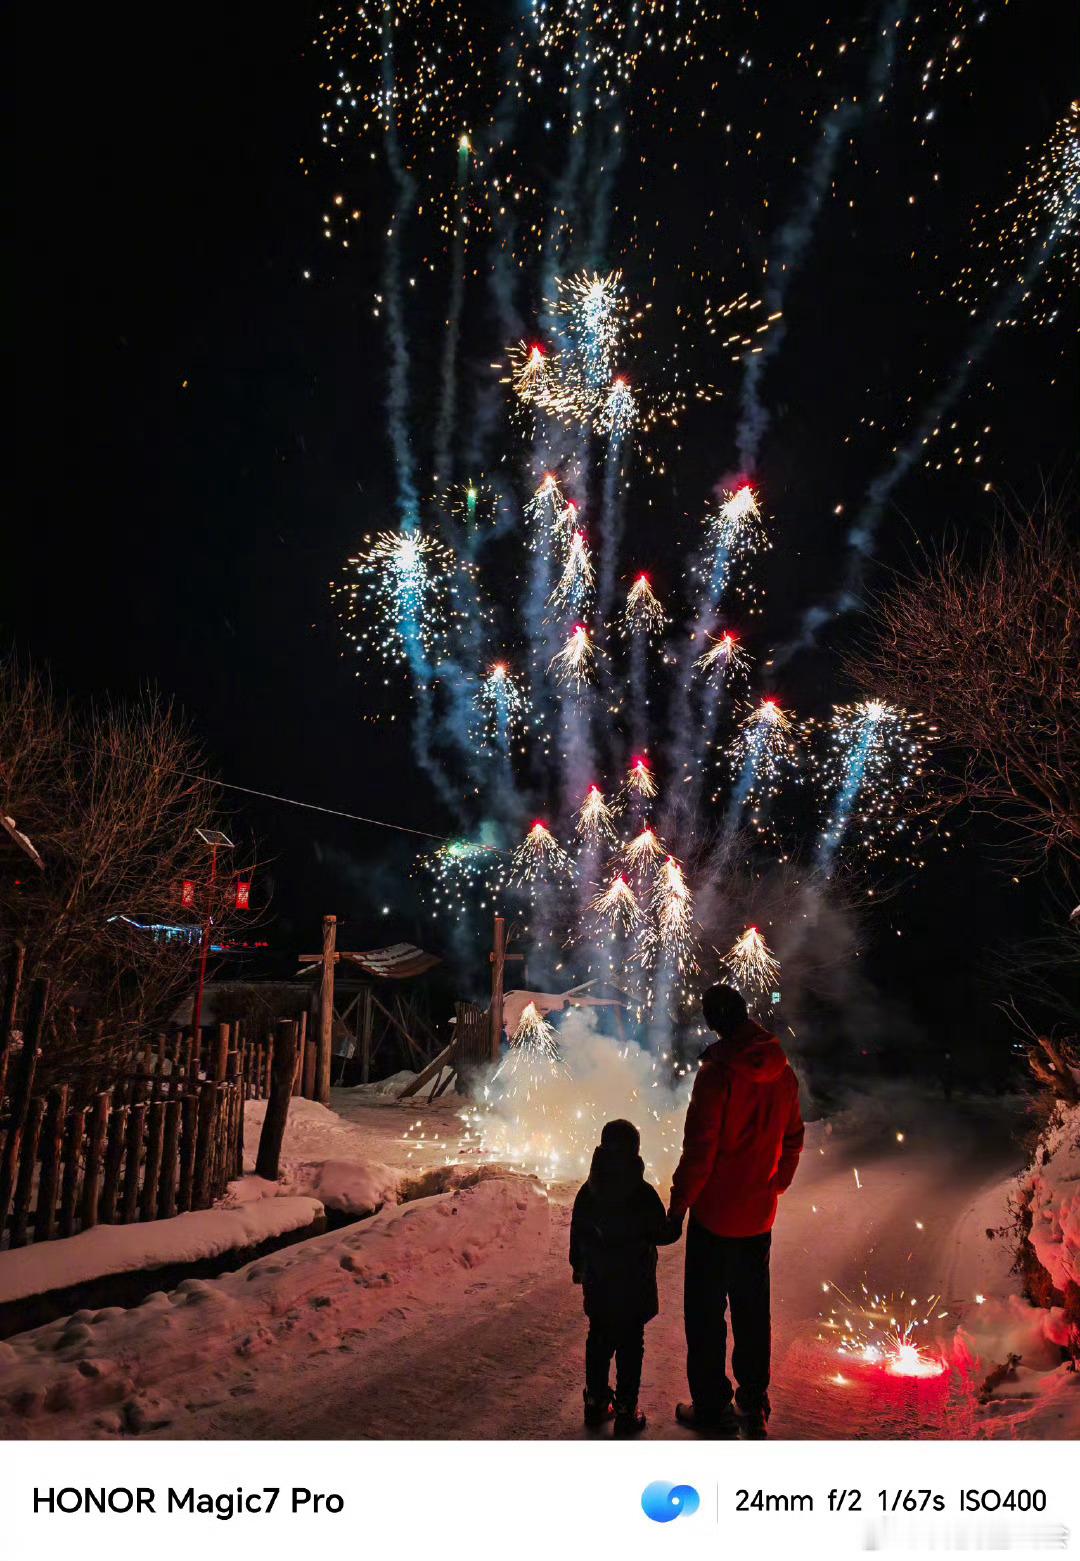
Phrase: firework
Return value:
(880, 1330)
(761, 750)
(545, 510)
(576, 581)
(595, 820)
(753, 965)
(875, 753)
(640, 779)
(643, 613)
(501, 701)
(532, 1058)
(642, 852)
(405, 579)
(531, 373)
(464, 873)
(724, 656)
(593, 308)
(540, 856)
(673, 907)
(1040, 222)
(618, 411)
(576, 661)
(735, 529)
(617, 905)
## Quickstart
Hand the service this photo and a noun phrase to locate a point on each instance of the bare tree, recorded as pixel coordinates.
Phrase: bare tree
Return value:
(989, 650)
(112, 798)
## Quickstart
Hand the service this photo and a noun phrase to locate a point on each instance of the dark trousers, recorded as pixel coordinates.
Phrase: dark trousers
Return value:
(722, 1272)
(625, 1339)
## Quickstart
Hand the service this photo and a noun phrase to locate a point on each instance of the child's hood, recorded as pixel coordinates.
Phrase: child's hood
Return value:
(615, 1176)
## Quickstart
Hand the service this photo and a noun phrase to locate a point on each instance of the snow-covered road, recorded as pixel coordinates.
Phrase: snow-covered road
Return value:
(454, 1316)
(508, 1362)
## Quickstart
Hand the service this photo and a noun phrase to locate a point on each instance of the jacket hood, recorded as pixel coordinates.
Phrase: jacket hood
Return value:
(752, 1052)
(614, 1176)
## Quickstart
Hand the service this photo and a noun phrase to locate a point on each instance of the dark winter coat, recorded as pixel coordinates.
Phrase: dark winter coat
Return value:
(618, 1223)
(743, 1135)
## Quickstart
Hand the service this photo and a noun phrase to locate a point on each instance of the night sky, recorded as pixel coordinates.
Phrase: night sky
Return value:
(202, 442)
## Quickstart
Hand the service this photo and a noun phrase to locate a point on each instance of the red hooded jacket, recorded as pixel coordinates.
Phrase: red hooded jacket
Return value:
(743, 1136)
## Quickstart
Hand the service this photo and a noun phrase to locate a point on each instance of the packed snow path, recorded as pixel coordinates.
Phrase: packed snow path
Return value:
(455, 1317)
(510, 1365)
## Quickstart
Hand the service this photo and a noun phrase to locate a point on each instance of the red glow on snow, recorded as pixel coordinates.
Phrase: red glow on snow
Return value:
(909, 1361)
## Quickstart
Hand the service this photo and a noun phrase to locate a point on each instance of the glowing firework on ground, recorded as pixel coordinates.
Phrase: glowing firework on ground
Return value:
(576, 580)
(577, 659)
(761, 750)
(875, 752)
(617, 905)
(724, 656)
(595, 820)
(880, 1330)
(644, 614)
(753, 965)
(501, 702)
(533, 1055)
(405, 579)
(540, 856)
(640, 780)
(640, 854)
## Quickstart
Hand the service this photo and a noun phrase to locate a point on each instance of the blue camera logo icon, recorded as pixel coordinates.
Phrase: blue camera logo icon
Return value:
(663, 1501)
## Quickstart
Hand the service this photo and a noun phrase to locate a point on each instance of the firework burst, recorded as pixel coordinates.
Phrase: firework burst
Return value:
(875, 752)
(643, 613)
(576, 661)
(540, 857)
(595, 819)
(753, 966)
(882, 1330)
(501, 702)
(640, 854)
(640, 780)
(407, 582)
(724, 657)
(576, 581)
(617, 905)
(761, 751)
(673, 908)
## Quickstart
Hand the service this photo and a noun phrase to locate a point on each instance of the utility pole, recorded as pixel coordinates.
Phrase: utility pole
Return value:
(214, 838)
(326, 1010)
(498, 971)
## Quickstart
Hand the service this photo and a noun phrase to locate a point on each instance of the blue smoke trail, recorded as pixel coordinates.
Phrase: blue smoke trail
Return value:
(854, 774)
(444, 426)
(794, 236)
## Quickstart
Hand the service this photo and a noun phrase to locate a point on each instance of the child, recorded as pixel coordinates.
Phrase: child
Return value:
(618, 1223)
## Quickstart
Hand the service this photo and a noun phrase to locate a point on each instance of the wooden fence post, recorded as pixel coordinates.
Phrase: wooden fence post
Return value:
(326, 1010)
(268, 1163)
(169, 1161)
(24, 1185)
(204, 1144)
(69, 1190)
(95, 1155)
(114, 1155)
(22, 1085)
(52, 1146)
(366, 1024)
(155, 1131)
(189, 1128)
(301, 1045)
(132, 1161)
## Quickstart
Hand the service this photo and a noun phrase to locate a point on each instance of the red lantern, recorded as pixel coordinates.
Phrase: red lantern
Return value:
(243, 895)
(187, 894)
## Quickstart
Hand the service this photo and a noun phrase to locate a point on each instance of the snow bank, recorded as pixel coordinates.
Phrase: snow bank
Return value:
(178, 1360)
(123, 1249)
(323, 1156)
(1052, 1192)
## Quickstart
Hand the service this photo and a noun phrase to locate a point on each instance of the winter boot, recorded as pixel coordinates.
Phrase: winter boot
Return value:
(722, 1424)
(629, 1421)
(598, 1411)
(755, 1423)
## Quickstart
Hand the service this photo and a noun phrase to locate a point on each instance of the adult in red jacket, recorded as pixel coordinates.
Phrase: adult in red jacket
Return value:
(742, 1141)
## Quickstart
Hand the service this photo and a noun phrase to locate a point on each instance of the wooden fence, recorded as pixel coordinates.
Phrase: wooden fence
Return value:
(162, 1140)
